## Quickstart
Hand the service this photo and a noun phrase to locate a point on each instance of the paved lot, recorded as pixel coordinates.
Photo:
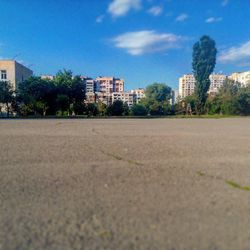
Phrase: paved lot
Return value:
(125, 184)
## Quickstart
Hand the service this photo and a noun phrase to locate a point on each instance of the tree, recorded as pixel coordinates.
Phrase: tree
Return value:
(102, 108)
(63, 103)
(125, 109)
(92, 109)
(139, 110)
(204, 60)
(157, 99)
(116, 109)
(36, 95)
(6, 95)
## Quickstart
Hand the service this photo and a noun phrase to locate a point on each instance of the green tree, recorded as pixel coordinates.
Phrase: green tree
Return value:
(63, 103)
(157, 99)
(244, 101)
(126, 109)
(36, 95)
(92, 109)
(204, 60)
(6, 95)
(102, 108)
(116, 109)
(139, 110)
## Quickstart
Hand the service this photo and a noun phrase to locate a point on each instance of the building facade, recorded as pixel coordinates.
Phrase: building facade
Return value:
(126, 97)
(242, 77)
(139, 94)
(14, 72)
(110, 84)
(187, 84)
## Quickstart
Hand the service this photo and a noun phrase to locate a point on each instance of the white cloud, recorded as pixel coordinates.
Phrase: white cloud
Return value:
(181, 18)
(99, 19)
(236, 54)
(146, 41)
(214, 19)
(224, 3)
(155, 10)
(119, 8)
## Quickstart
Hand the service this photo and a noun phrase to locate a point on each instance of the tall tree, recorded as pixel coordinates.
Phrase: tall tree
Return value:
(204, 60)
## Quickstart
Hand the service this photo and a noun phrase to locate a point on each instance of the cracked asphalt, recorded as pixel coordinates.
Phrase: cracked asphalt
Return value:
(125, 184)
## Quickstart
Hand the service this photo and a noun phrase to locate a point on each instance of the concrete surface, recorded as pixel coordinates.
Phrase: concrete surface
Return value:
(125, 184)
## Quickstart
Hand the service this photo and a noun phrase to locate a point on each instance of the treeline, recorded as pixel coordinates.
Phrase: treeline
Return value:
(65, 96)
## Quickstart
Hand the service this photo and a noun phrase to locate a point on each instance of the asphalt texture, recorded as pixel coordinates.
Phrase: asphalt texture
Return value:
(125, 184)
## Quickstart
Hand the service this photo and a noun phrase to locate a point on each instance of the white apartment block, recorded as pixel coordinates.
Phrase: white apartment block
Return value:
(139, 94)
(187, 84)
(126, 97)
(242, 77)
(13, 72)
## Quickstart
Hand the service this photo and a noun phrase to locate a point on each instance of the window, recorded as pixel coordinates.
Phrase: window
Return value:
(3, 75)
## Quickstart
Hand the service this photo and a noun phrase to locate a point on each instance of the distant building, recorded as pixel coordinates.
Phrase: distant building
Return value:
(174, 97)
(242, 77)
(47, 77)
(103, 97)
(187, 84)
(139, 94)
(109, 85)
(13, 72)
(126, 97)
(217, 81)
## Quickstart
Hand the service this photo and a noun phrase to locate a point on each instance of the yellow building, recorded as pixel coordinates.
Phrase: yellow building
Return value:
(13, 72)
(242, 77)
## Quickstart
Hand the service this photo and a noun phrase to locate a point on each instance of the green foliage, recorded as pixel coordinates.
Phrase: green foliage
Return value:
(37, 94)
(157, 99)
(139, 110)
(116, 109)
(102, 108)
(6, 95)
(126, 109)
(231, 100)
(204, 60)
(63, 103)
(92, 109)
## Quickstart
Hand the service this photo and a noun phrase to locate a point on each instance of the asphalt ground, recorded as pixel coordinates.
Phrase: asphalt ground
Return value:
(125, 184)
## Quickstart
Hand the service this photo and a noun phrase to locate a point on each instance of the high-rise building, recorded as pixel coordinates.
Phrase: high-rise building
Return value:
(126, 97)
(187, 84)
(139, 94)
(110, 84)
(13, 72)
(241, 77)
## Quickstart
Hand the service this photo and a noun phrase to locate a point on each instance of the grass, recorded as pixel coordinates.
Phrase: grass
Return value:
(236, 185)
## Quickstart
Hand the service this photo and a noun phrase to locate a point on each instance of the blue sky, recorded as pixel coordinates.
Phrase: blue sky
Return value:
(143, 41)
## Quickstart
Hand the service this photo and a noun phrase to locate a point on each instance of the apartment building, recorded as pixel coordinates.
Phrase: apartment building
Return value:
(47, 77)
(242, 77)
(126, 97)
(13, 72)
(110, 84)
(139, 94)
(217, 81)
(187, 84)
(103, 97)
